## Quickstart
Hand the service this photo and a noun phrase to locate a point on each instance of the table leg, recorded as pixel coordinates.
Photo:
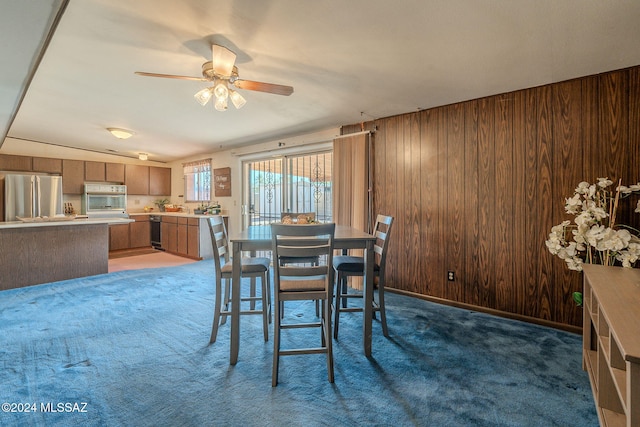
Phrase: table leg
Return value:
(235, 303)
(368, 297)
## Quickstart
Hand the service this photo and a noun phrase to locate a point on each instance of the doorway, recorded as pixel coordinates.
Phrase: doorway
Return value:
(298, 183)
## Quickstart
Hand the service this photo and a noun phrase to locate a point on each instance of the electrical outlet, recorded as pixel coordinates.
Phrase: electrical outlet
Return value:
(451, 276)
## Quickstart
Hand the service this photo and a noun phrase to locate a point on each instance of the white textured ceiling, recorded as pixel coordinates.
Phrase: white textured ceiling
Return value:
(348, 61)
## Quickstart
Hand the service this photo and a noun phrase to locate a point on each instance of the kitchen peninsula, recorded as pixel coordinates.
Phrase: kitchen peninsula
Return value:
(38, 252)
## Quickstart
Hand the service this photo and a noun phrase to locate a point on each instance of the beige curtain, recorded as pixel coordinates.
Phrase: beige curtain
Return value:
(351, 185)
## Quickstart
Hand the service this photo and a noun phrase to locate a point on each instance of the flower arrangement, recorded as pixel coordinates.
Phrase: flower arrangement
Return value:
(594, 237)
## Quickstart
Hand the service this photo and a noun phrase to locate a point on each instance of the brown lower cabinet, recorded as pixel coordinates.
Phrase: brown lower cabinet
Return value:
(184, 236)
(118, 237)
(140, 231)
(169, 234)
(135, 234)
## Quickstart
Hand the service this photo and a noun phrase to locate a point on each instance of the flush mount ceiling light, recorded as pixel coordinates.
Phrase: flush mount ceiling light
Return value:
(143, 156)
(120, 133)
(222, 72)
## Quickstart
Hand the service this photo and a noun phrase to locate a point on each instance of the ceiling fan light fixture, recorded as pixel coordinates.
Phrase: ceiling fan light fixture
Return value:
(237, 99)
(203, 96)
(120, 133)
(220, 90)
(221, 104)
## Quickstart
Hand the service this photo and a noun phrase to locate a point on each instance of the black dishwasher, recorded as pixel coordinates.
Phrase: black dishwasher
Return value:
(156, 231)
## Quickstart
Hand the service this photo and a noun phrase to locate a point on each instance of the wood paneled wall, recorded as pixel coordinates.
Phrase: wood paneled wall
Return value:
(475, 188)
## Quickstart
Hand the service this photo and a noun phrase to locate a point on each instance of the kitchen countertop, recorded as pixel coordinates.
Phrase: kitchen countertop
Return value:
(74, 222)
(181, 214)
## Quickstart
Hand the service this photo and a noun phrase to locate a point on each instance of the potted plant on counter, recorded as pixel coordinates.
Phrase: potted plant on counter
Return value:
(160, 203)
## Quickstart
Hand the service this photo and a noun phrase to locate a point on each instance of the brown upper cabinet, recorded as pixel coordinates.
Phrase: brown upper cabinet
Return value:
(114, 172)
(159, 181)
(140, 180)
(72, 176)
(94, 171)
(48, 165)
(136, 178)
(9, 162)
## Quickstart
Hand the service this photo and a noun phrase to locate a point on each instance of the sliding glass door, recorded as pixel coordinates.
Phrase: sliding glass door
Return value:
(300, 183)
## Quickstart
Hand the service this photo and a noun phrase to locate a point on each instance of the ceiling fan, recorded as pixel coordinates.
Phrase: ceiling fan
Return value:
(222, 73)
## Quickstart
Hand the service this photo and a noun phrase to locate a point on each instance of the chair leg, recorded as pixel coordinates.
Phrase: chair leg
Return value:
(276, 343)
(336, 322)
(227, 299)
(216, 313)
(252, 294)
(265, 307)
(383, 314)
(269, 296)
(326, 329)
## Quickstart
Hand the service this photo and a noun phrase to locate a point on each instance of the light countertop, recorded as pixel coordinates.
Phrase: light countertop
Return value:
(73, 222)
(180, 214)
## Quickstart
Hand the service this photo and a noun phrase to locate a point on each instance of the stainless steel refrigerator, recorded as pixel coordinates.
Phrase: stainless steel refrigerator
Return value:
(31, 196)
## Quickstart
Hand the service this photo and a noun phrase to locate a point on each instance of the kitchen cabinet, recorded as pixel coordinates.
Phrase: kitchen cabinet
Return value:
(189, 237)
(193, 238)
(47, 165)
(183, 242)
(136, 234)
(119, 237)
(9, 162)
(140, 231)
(72, 176)
(114, 172)
(94, 171)
(159, 181)
(186, 236)
(169, 233)
(136, 178)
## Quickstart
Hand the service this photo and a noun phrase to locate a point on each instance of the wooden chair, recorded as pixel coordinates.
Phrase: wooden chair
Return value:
(295, 218)
(251, 267)
(297, 282)
(346, 266)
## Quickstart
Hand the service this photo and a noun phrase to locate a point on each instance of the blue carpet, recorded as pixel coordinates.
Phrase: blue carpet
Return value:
(130, 349)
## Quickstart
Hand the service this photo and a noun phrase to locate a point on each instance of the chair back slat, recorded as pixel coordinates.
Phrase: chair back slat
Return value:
(219, 241)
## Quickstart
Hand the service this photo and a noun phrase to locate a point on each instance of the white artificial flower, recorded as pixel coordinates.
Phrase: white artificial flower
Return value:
(574, 263)
(624, 190)
(573, 205)
(604, 182)
(582, 188)
(592, 237)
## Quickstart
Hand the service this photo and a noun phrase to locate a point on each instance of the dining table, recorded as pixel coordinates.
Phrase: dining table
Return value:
(258, 238)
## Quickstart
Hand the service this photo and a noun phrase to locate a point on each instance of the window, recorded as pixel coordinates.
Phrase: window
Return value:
(300, 183)
(197, 181)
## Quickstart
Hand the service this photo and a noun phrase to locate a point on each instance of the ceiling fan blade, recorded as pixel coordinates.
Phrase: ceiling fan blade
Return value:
(223, 60)
(171, 76)
(263, 87)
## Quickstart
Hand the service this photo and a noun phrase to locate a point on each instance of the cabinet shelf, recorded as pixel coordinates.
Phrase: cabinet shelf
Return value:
(611, 349)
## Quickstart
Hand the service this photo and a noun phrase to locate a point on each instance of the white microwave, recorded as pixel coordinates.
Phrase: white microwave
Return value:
(104, 200)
